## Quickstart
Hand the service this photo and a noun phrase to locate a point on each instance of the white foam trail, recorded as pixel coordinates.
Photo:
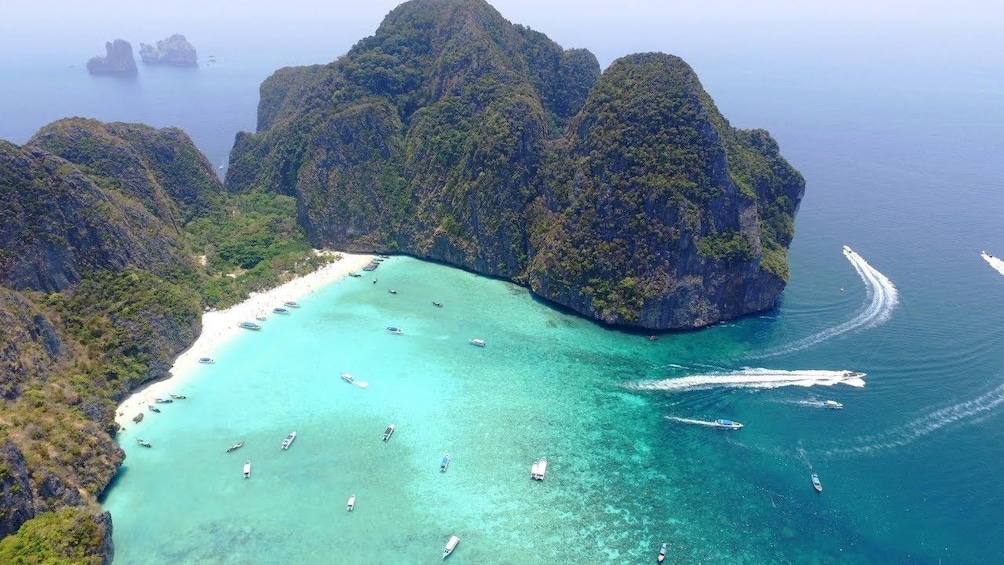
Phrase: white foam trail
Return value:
(361, 384)
(917, 428)
(753, 378)
(882, 296)
(994, 262)
(692, 421)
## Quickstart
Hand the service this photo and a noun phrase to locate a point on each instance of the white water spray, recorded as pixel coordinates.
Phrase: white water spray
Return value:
(882, 298)
(754, 378)
(994, 262)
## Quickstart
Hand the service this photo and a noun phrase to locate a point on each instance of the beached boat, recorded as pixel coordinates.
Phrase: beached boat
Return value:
(280, 310)
(832, 405)
(450, 546)
(143, 443)
(816, 484)
(179, 396)
(388, 432)
(250, 326)
(138, 418)
(291, 304)
(236, 446)
(207, 360)
(539, 469)
(247, 469)
(394, 330)
(478, 342)
(662, 553)
(164, 400)
(727, 424)
(348, 378)
(260, 317)
(445, 463)
(289, 439)
(153, 408)
(351, 504)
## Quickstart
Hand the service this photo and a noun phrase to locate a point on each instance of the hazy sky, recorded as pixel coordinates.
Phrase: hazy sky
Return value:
(609, 28)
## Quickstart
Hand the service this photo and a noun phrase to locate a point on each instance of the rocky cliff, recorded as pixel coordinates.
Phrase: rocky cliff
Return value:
(452, 134)
(175, 50)
(118, 60)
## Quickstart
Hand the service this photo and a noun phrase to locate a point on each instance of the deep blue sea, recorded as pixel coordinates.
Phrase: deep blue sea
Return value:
(903, 165)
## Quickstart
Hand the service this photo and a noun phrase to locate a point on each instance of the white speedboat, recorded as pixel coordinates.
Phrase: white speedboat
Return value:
(388, 432)
(445, 463)
(247, 469)
(450, 546)
(207, 360)
(539, 469)
(280, 310)
(250, 326)
(853, 374)
(815, 483)
(478, 342)
(291, 304)
(832, 404)
(289, 439)
(394, 330)
(351, 504)
(348, 378)
(727, 424)
(236, 446)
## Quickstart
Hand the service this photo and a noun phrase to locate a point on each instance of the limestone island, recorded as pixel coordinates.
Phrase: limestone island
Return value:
(117, 61)
(175, 50)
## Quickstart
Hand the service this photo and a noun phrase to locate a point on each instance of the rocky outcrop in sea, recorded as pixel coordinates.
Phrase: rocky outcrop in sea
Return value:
(118, 60)
(175, 50)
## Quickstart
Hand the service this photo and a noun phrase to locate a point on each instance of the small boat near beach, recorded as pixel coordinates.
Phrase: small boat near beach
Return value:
(391, 291)
(207, 360)
(164, 400)
(727, 424)
(445, 463)
(143, 443)
(816, 484)
(388, 432)
(291, 304)
(662, 553)
(153, 408)
(348, 378)
(138, 418)
(832, 404)
(178, 396)
(236, 446)
(280, 310)
(289, 440)
(250, 326)
(394, 330)
(450, 546)
(260, 317)
(539, 469)
(355, 275)
(478, 342)
(247, 469)
(351, 504)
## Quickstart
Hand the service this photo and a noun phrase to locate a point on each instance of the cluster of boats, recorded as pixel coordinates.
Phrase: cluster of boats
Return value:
(538, 469)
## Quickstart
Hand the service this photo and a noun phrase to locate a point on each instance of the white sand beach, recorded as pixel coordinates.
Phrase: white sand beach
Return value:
(219, 326)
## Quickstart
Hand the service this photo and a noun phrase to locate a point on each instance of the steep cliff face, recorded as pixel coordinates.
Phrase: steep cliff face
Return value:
(118, 60)
(454, 135)
(16, 501)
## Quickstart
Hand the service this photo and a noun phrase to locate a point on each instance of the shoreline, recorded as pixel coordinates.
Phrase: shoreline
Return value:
(220, 326)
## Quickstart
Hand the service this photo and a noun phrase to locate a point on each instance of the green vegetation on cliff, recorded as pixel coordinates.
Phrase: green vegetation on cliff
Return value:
(455, 135)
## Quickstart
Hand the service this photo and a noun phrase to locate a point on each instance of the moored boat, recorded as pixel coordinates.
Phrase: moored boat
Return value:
(816, 484)
(351, 503)
(250, 326)
(236, 446)
(289, 439)
(445, 463)
(437, 304)
(450, 546)
(260, 317)
(727, 424)
(247, 469)
(388, 432)
(153, 408)
(207, 360)
(662, 553)
(179, 396)
(291, 304)
(143, 443)
(164, 400)
(280, 310)
(478, 342)
(832, 405)
(391, 291)
(394, 330)
(348, 378)
(355, 275)
(539, 469)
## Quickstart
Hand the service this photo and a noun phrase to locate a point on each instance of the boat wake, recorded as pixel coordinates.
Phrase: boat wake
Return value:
(994, 262)
(753, 378)
(361, 384)
(917, 428)
(882, 298)
(692, 421)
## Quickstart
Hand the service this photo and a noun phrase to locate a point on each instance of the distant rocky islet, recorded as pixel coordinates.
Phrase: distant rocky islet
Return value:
(119, 60)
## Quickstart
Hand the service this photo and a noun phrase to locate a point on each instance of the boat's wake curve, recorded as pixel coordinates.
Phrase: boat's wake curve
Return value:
(994, 262)
(882, 298)
(917, 428)
(753, 378)
(692, 421)
(361, 384)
